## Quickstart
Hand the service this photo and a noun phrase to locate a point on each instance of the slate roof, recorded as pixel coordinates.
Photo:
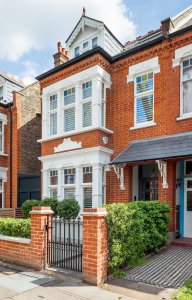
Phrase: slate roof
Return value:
(170, 146)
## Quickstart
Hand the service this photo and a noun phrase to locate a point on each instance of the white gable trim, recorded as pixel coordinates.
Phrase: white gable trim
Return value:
(84, 22)
(147, 65)
(180, 54)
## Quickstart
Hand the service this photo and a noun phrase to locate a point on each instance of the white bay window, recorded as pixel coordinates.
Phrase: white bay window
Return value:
(69, 109)
(69, 183)
(87, 104)
(87, 186)
(53, 183)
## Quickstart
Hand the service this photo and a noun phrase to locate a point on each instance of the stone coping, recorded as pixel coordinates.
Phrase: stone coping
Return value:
(14, 239)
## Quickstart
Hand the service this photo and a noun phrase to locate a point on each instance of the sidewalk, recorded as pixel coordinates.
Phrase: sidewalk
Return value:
(23, 284)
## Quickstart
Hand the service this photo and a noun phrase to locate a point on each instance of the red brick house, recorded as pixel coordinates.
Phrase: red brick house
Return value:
(117, 120)
(19, 130)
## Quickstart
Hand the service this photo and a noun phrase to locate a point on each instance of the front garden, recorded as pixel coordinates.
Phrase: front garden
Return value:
(134, 230)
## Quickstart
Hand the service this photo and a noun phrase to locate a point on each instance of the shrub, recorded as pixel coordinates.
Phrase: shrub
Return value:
(15, 227)
(68, 209)
(52, 202)
(27, 207)
(184, 293)
(135, 229)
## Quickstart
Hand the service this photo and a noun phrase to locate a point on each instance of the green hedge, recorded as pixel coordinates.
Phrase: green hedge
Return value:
(184, 293)
(15, 227)
(135, 229)
(27, 207)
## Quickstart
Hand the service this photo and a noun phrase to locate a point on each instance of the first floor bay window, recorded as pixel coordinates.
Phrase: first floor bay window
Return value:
(187, 86)
(144, 99)
(87, 186)
(53, 123)
(1, 193)
(69, 183)
(53, 183)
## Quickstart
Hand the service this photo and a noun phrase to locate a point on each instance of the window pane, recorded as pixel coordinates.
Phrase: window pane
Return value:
(1, 185)
(69, 96)
(87, 196)
(144, 109)
(1, 126)
(87, 114)
(87, 174)
(187, 96)
(189, 201)
(87, 89)
(53, 177)
(187, 73)
(85, 45)
(94, 42)
(53, 123)
(53, 102)
(53, 192)
(69, 193)
(76, 51)
(144, 83)
(69, 119)
(69, 176)
(188, 167)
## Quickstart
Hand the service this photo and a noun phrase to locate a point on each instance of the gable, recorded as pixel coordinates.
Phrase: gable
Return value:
(84, 23)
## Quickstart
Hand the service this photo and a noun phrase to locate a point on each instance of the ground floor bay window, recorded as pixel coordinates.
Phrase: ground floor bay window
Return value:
(77, 175)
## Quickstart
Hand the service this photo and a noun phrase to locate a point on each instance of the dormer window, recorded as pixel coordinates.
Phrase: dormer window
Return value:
(1, 93)
(85, 46)
(77, 52)
(95, 42)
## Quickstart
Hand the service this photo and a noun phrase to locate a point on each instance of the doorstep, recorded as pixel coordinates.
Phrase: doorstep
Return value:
(182, 242)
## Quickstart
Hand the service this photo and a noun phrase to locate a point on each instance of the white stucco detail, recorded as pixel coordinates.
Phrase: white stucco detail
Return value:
(67, 144)
(3, 118)
(3, 173)
(181, 53)
(145, 66)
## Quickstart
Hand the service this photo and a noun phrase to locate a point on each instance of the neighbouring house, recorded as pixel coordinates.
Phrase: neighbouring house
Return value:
(20, 127)
(117, 119)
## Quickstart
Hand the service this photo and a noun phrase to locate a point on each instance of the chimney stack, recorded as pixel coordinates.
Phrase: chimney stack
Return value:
(61, 56)
(166, 24)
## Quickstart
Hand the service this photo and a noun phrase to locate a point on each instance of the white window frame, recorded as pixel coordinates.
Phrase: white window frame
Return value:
(53, 186)
(86, 184)
(88, 46)
(2, 86)
(104, 185)
(86, 100)
(78, 52)
(68, 185)
(50, 112)
(92, 41)
(3, 119)
(67, 106)
(182, 114)
(2, 136)
(147, 123)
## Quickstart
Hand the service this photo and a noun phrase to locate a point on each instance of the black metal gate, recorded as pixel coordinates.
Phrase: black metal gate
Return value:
(65, 243)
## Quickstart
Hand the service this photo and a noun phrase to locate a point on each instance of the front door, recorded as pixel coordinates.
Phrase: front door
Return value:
(150, 188)
(188, 208)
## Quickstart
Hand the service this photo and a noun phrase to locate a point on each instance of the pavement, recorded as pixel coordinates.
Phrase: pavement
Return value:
(26, 284)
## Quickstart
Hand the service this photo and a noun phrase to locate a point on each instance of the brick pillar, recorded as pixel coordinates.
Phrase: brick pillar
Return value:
(94, 245)
(169, 194)
(40, 217)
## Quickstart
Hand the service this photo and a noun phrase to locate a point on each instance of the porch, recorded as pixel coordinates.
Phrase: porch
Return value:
(160, 169)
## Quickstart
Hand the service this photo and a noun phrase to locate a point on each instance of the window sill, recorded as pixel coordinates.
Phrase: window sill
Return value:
(3, 154)
(143, 126)
(68, 134)
(184, 117)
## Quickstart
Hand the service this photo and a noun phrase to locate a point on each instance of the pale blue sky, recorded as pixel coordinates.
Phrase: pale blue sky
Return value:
(29, 36)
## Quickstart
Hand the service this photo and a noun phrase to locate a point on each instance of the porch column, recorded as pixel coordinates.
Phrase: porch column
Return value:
(169, 194)
(45, 174)
(60, 194)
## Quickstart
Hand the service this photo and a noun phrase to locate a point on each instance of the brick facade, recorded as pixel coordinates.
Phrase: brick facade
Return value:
(22, 155)
(120, 111)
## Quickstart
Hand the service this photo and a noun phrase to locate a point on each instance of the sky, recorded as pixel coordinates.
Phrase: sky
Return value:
(30, 29)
